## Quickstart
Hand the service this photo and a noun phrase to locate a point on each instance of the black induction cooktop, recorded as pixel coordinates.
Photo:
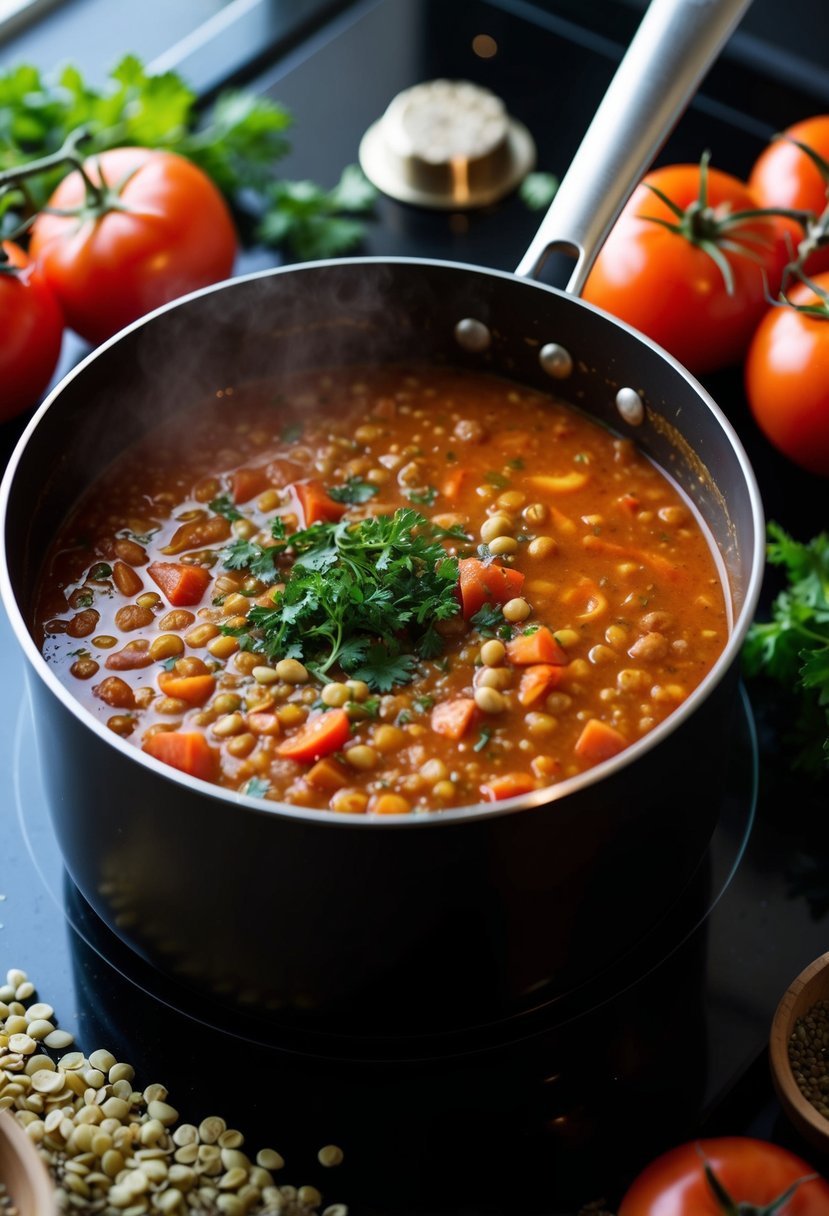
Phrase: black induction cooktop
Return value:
(553, 1115)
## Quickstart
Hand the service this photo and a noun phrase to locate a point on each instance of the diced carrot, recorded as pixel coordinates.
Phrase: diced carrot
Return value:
(598, 741)
(247, 483)
(662, 565)
(563, 523)
(195, 690)
(537, 681)
(510, 785)
(317, 505)
(188, 751)
(321, 735)
(454, 718)
(182, 584)
(480, 584)
(587, 596)
(453, 481)
(540, 646)
(327, 774)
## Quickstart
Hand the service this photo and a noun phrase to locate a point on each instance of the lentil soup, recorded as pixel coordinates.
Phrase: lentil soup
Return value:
(382, 591)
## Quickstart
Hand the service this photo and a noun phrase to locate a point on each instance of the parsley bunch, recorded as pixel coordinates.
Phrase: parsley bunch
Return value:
(364, 596)
(793, 647)
(236, 142)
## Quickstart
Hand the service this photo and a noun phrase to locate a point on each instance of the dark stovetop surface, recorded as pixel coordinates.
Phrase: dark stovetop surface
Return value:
(682, 1051)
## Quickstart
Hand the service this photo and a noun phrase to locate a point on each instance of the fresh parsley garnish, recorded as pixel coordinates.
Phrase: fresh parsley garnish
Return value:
(424, 704)
(425, 497)
(364, 596)
(223, 505)
(497, 480)
(85, 600)
(140, 538)
(793, 647)
(100, 570)
(258, 560)
(355, 491)
(482, 740)
(487, 620)
(291, 432)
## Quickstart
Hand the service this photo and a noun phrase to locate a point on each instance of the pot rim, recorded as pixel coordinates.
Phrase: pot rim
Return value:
(455, 815)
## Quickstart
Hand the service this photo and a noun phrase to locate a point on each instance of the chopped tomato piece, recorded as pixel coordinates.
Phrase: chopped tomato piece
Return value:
(510, 785)
(629, 503)
(454, 718)
(248, 483)
(481, 584)
(188, 751)
(598, 741)
(321, 735)
(537, 681)
(540, 646)
(182, 584)
(316, 503)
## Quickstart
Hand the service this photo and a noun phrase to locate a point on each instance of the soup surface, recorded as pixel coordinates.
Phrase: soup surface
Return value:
(382, 591)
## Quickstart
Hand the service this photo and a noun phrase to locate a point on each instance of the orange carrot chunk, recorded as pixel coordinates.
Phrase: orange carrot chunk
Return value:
(452, 482)
(537, 681)
(182, 584)
(510, 785)
(188, 751)
(321, 735)
(327, 774)
(316, 504)
(598, 741)
(193, 689)
(480, 584)
(248, 483)
(540, 646)
(454, 718)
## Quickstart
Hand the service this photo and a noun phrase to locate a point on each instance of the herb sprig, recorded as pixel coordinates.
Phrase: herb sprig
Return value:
(236, 142)
(793, 647)
(364, 596)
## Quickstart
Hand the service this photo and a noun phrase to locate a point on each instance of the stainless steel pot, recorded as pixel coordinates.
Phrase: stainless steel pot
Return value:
(420, 924)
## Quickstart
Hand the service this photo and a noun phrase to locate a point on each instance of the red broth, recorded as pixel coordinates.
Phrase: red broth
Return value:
(382, 591)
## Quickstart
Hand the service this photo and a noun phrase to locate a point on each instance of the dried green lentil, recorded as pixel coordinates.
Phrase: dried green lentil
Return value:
(809, 1056)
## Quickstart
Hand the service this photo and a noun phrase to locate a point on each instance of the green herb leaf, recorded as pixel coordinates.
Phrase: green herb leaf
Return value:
(482, 740)
(793, 647)
(497, 480)
(256, 787)
(100, 571)
(537, 190)
(223, 505)
(247, 555)
(425, 497)
(487, 620)
(355, 490)
(291, 433)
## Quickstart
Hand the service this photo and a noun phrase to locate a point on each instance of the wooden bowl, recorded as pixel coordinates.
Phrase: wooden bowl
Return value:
(811, 985)
(25, 1177)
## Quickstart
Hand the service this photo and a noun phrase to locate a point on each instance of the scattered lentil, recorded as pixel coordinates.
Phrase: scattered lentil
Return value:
(114, 1150)
(809, 1056)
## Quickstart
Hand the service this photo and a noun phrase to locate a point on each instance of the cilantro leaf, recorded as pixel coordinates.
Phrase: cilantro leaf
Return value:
(426, 496)
(793, 647)
(223, 505)
(364, 596)
(247, 555)
(355, 490)
(487, 620)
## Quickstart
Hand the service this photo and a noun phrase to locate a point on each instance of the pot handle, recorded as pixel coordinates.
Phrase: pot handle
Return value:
(675, 44)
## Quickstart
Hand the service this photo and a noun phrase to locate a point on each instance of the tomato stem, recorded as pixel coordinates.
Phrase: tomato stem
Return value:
(730, 1208)
(98, 198)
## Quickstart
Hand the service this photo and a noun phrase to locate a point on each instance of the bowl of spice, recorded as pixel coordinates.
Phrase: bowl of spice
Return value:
(25, 1186)
(799, 1052)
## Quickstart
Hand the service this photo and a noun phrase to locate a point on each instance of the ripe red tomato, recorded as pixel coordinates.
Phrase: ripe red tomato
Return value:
(667, 285)
(169, 233)
(784, 176)
(31, 326)
(753, 1172)
(787, 379)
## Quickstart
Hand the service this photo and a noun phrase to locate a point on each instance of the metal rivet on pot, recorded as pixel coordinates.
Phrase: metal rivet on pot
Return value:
(556, 361)
(472, 335)
(630, 407)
